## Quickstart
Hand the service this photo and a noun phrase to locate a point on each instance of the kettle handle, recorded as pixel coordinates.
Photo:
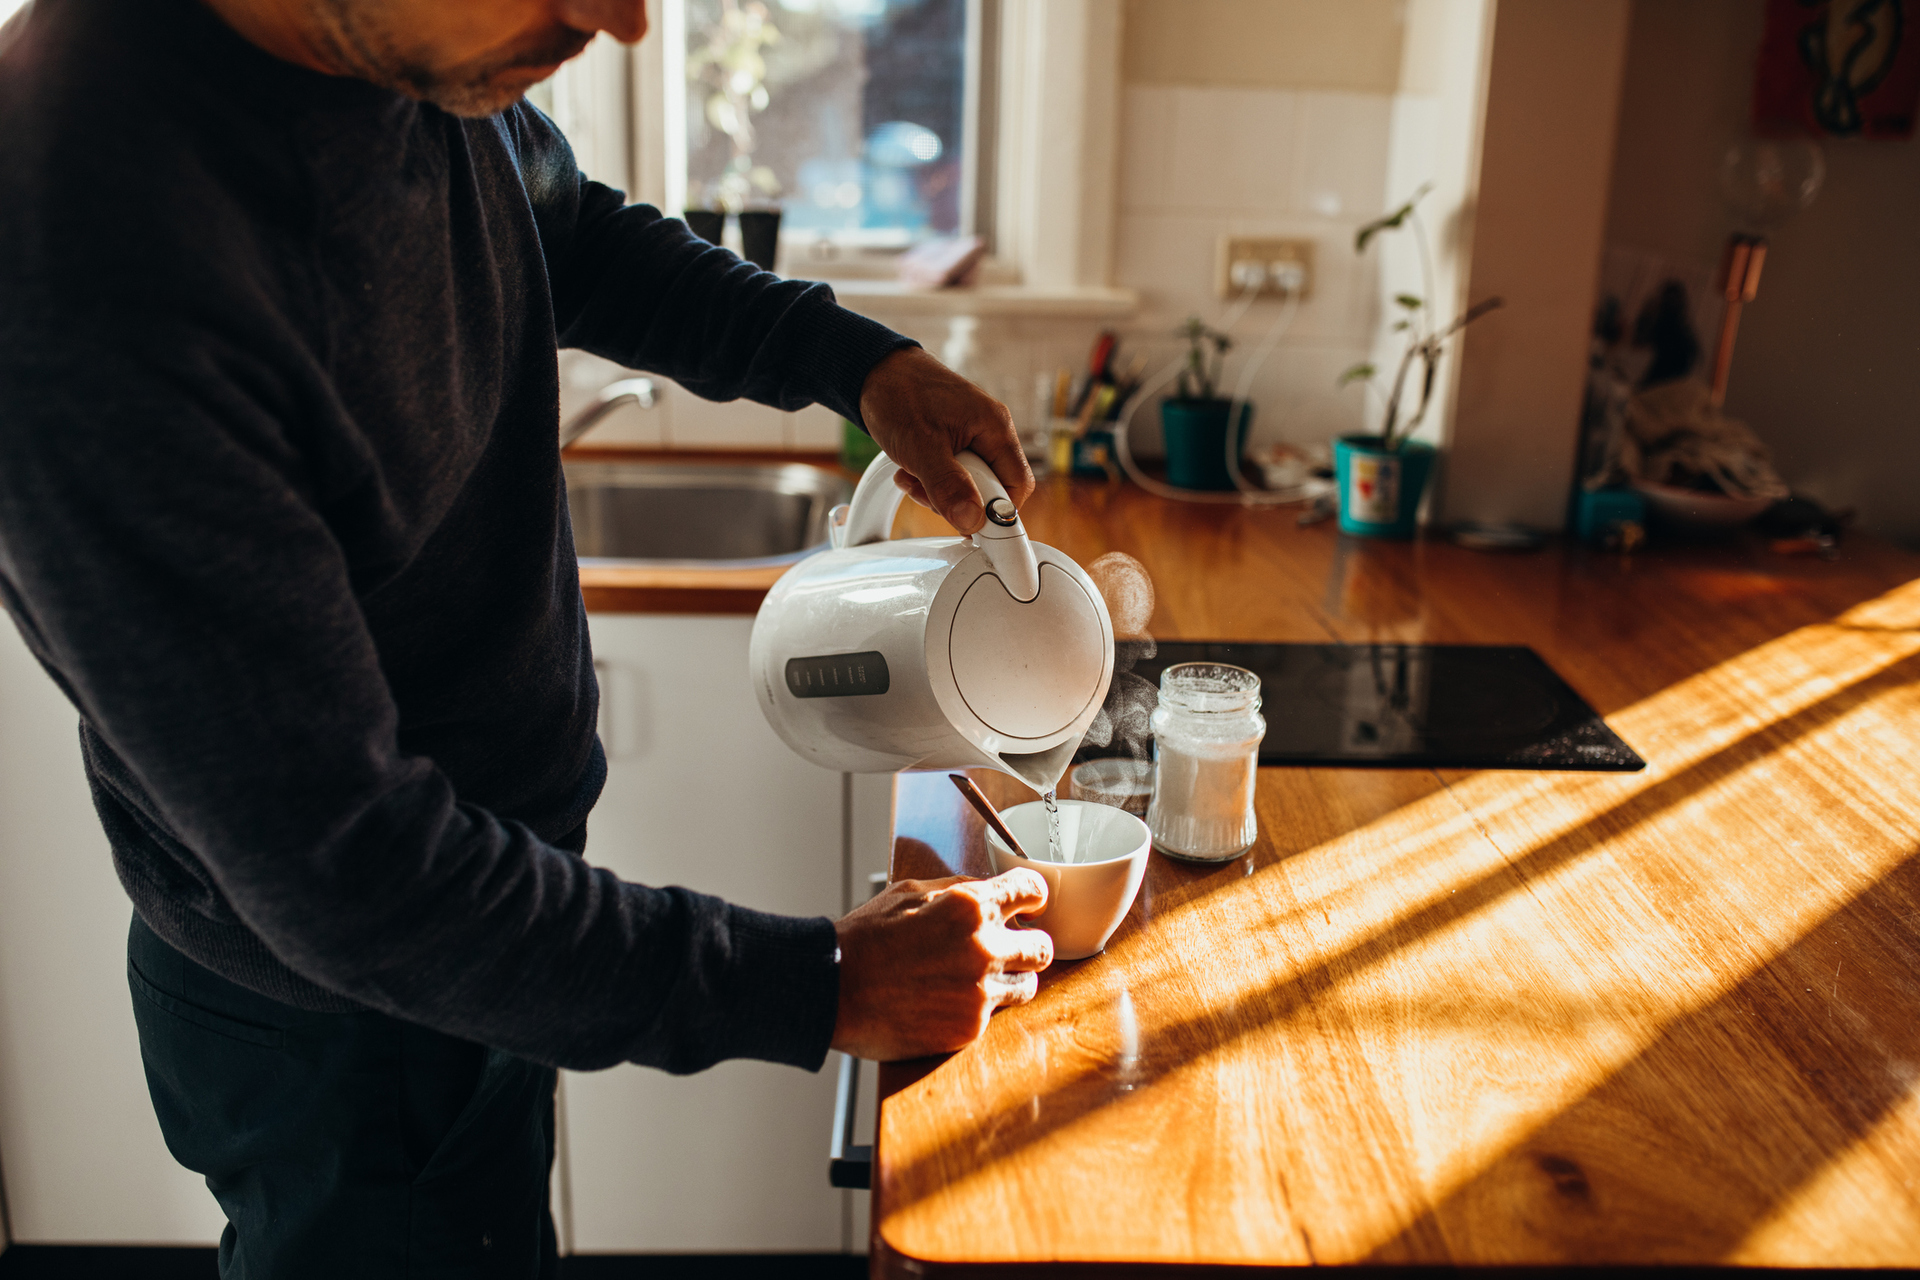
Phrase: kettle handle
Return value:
(1004, 538)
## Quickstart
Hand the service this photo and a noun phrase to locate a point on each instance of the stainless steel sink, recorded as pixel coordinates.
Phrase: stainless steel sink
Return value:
(708, 515)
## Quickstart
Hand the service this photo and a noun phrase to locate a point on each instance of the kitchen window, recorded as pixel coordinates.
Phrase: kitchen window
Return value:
(858, 119)
(1031, 170)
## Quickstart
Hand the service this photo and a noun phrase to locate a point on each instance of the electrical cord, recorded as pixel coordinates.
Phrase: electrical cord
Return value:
(1244, 494)
(1275, 331)
(1123, 421)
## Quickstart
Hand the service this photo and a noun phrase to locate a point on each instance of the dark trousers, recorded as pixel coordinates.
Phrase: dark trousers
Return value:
(345, 1144)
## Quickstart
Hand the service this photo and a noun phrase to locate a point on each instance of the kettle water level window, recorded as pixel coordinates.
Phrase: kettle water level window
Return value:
(858, 120)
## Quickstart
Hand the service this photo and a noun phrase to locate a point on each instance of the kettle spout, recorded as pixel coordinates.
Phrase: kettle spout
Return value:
(1041, 770)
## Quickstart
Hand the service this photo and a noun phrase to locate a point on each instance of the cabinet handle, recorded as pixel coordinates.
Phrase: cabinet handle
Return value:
(848, 1165)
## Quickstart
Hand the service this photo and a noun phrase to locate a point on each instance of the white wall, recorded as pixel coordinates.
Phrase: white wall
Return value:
(1826, 369)
(1552, 95)
(1263, 118)
(1202, 162)
(1438, 113)
(679, 419)
(1264, 44)
(83, 1158)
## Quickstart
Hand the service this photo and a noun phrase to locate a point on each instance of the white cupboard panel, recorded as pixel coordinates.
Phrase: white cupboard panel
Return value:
(734, 1158)
(700, 793)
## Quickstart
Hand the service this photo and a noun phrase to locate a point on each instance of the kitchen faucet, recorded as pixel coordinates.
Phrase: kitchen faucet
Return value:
(626, 391)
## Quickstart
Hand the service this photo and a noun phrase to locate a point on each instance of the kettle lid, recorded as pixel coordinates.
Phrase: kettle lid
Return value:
(1028, 670)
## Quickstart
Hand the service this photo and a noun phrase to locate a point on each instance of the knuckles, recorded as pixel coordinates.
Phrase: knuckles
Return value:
(965, 909)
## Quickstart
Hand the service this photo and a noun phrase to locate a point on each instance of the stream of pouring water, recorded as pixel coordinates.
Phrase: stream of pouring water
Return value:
(1055, 850)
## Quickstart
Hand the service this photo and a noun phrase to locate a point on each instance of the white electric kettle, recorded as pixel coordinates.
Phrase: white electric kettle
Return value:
(924, 653)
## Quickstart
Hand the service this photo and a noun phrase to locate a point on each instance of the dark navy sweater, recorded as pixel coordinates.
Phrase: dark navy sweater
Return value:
(281, 511)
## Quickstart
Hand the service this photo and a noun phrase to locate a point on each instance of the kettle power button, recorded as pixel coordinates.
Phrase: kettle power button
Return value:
(1002, 513)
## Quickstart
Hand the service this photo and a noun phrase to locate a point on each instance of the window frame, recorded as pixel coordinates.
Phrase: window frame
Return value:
(1043, 198)
(842, 260)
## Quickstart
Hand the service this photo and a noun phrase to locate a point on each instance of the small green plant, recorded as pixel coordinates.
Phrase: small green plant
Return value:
(1200, 379)
(1425, 341)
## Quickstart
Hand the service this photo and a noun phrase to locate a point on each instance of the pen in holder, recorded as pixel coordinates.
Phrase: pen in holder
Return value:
(1088, 454)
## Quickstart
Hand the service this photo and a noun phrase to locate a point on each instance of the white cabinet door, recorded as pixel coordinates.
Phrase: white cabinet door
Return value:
(700, 793)
(80, 1151)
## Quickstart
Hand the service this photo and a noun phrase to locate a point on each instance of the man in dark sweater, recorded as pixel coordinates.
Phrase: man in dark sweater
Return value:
(281, 511)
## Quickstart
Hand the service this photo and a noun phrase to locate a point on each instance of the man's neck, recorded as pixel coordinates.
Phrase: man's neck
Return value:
(280, 27)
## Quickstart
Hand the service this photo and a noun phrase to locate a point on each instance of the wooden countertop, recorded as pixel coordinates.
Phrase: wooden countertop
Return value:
(1473, 1017)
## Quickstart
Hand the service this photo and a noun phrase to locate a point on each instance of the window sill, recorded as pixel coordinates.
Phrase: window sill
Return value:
(883, 299)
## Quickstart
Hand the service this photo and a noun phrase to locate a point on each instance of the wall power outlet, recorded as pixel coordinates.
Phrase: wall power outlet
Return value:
(1280, 268)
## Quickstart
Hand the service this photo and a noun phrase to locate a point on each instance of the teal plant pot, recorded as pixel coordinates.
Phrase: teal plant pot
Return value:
(1380, 489)
(1195, 432)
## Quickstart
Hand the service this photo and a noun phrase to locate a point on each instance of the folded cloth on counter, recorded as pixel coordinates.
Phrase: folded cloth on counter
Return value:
(1674, 436)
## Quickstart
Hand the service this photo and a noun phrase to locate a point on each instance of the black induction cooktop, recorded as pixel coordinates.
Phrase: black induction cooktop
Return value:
(1400, 705)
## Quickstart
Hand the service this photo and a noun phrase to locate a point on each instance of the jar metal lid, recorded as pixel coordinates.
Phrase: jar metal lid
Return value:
(1209, 688)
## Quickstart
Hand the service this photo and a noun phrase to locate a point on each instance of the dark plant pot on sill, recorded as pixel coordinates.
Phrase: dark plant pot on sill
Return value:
(1380, 488)
(1195, 432)
(760, 236)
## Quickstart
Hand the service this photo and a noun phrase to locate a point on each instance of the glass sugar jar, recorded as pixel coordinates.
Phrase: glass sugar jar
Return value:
(1207, 732)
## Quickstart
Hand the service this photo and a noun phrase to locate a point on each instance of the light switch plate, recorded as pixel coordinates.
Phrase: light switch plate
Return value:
(1237, 257)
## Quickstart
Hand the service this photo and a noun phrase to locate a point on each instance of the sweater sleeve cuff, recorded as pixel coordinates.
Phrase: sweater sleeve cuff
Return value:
(785, 988)
(841, 349)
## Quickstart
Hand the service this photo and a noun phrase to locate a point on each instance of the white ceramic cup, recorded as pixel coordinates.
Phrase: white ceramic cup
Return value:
(1087, 898)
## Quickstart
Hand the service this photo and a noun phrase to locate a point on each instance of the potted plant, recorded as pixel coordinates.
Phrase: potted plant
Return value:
(1381, 478)
(1193, 422)
(734, 71)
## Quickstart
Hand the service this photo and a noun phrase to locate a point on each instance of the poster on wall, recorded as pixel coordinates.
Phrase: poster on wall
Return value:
(1836, 69)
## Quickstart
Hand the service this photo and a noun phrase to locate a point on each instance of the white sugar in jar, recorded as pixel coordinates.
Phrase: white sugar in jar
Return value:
(1207, 732)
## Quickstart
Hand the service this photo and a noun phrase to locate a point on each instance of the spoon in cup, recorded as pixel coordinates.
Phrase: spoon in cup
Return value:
(984, 807)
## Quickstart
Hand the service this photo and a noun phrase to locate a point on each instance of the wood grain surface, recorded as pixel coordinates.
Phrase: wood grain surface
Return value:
(652, 589)
(1473, 1017)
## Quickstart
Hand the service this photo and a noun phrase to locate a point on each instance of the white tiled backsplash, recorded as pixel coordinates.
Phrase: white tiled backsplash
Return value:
(680, 419)
(1195, 164)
